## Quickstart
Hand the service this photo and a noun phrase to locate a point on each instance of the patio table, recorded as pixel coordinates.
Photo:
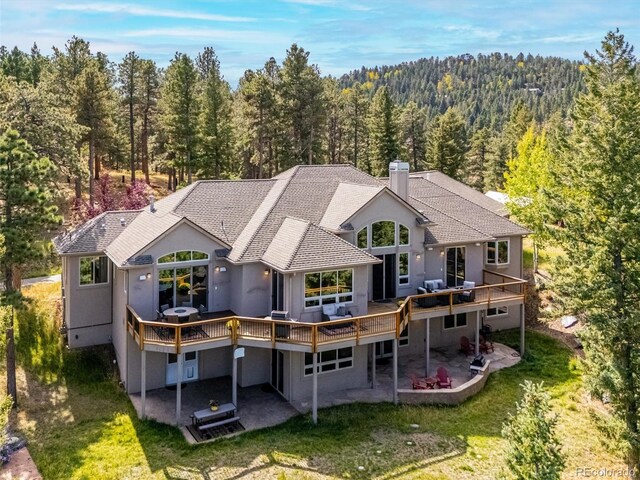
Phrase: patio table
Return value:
(206, 414)
(180, 312)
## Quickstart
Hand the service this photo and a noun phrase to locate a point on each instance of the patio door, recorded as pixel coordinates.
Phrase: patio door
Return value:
(277, 290)
(183, 287)
(189, 368)
(384, 277)
(456, 266)
(277, 370)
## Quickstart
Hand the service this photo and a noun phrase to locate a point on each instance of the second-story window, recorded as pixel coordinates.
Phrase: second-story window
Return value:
(403, 268)
(498, 252)
(94, 270)
(383, 234)
(363, 241)
(333, 286)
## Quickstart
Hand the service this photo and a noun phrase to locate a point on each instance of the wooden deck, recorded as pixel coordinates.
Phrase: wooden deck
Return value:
(383, 321)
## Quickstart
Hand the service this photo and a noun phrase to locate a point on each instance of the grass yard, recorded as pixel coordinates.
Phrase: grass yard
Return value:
(545, 256)
(81, 425)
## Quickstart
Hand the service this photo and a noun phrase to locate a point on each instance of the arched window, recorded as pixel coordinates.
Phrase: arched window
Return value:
(183, 256)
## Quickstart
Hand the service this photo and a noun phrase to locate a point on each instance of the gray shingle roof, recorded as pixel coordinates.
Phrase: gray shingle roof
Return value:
(346, 201)
(96, 234)
(300, 245)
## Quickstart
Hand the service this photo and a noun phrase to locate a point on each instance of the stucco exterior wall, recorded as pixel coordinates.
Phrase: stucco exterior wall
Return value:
(88, 307)
(120, 333)
(301, 386)
(255, 367)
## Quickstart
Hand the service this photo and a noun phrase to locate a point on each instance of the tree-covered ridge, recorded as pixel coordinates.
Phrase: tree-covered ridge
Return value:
(484, 88)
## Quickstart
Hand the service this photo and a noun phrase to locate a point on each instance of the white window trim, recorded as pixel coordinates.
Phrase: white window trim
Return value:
(455, 315)
(503, 314)
(496, 263)
(408, 275)
(337, 296)
(92, 285)
(395, 235)
(319, 364)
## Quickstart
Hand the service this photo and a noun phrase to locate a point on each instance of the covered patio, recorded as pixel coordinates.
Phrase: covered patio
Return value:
(261, 406)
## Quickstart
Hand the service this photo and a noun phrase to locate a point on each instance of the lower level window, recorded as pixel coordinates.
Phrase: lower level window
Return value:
(330, 360)
(496, 312)
(455, 321)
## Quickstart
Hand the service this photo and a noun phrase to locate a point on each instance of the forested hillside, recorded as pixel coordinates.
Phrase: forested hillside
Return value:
(89, 113)
(484, 88)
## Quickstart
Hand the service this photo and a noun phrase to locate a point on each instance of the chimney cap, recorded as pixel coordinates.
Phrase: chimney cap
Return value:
(398, 166)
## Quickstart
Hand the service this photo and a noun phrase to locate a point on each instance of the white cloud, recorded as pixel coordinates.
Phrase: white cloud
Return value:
(242, 36)
(98, 7)
(332, 3)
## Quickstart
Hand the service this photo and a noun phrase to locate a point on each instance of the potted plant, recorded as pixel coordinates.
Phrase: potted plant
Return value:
(183, 288)
(213, 405)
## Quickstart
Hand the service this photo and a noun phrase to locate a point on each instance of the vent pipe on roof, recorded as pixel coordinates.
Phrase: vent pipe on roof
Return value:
(152, 207)
(122, 221)
(399, 178)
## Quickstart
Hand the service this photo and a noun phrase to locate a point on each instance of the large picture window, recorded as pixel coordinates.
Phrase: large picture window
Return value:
(183, 287)
(333, 286)
(329, 360)
(498, 252)
(183, 256)
(383, 234)
(94, 270)
(455, 321)
(403, 268)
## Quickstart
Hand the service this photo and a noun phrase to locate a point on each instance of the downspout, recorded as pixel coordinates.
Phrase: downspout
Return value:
(126, 345)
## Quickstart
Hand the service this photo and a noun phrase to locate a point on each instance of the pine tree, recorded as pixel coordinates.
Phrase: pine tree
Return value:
(477, 158)
(301, 96)
(26, 212)
(533, 451)
(598, 201)
(128, 76)
(447, 144)
(214, 126)
(412, 127)
(180, 109)
(336, 121)
(149, 88)
(356, 110)
(383, 131)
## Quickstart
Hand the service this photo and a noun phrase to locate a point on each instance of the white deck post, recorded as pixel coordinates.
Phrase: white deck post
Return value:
(522, 329)
(314, 402)
(477, 332)
(395, 371)
(178, 388)
(234, 381)
(373, 365)
(427, 347)
(143, 383)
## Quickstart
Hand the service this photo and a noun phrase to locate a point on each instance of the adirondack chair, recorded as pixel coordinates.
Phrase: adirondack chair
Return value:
(444, 381)
(485, 346)
(466, 346)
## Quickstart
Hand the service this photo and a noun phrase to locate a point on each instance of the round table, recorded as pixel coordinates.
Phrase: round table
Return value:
(180, 312)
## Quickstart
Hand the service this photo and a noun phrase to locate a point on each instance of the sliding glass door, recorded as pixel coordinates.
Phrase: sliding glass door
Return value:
(183, 287)
(455, 266)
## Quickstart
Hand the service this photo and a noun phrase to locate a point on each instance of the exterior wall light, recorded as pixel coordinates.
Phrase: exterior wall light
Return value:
(266, 272)
(148, 276)
(442, 252)
(430, 249)
(418, 256)
(217, 269)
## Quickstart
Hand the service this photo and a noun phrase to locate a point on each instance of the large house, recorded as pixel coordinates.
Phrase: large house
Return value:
(304, 273)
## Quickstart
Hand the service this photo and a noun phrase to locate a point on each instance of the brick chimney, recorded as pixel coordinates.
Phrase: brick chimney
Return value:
(399, 178)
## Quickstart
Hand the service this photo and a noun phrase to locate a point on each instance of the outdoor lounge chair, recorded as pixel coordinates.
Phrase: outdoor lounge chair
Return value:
(468, 293)
(444, 380)
(335, 311)
(466, 346)
(418, 383)
(426, 302)
(172, 318)
(164, 307)
(485, 346)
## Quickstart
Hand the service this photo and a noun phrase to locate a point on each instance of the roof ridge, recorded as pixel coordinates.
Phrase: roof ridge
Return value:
(191, 188)
(267, 214)
(84, 229)
(300, 241)
(476, 204)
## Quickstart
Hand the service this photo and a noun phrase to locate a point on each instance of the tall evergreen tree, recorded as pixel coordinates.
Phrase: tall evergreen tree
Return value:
(357, 109)
(336, 121)
(412, 129)
(180, 109)
(149, 88)
(477, 158)
(128, 76)
(383, 131)
(26, 211)
(598, 200)
(447, 144)
(214, 126)
(301, 96)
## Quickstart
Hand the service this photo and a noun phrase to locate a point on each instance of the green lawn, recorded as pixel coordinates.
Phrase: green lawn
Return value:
(81, 425)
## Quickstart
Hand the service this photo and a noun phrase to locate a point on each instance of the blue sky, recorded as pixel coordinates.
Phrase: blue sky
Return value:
(341, 35)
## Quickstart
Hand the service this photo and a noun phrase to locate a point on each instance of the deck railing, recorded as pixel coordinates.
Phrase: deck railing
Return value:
(235, 329)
